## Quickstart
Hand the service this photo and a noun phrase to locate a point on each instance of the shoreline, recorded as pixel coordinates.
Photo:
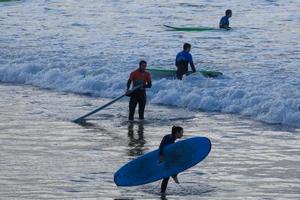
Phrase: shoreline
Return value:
(46, 154)
(275, 126)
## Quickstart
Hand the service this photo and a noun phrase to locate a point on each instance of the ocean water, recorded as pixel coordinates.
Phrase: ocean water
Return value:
(61, 59)
(45, 156)
(92, 46)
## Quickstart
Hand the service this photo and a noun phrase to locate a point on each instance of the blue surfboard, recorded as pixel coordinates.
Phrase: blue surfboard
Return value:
(177, 158)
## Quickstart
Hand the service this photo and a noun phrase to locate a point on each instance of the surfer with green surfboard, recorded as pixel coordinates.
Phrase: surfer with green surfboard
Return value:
(183, 59)
(224, 22)
(177, 132)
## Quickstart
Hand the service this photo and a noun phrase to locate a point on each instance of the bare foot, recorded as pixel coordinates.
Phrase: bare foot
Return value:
(163, 195)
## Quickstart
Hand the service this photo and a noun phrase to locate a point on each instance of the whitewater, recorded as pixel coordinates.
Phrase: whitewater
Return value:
(60, 59)
(90, 47)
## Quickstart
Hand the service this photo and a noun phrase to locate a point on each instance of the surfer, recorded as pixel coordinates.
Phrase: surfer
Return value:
(137, 78)
(224, 22)
(183, 59)
(177, 132)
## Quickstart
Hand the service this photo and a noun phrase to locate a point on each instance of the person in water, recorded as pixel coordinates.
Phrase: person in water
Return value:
(139, 77)
(177, 132)
(224, 22)
(183, 59)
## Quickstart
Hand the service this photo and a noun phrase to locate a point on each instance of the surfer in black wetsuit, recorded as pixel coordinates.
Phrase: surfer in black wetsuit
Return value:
(224, 22)
(183, 59)
(177, 133)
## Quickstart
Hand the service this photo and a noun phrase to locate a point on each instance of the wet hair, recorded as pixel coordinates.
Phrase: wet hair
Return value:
(142, 62)
(228, 12)
(176, 129)
(186, 46)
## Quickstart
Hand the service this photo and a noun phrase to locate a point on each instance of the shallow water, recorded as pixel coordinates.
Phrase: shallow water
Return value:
(45, 156)
(92, 46)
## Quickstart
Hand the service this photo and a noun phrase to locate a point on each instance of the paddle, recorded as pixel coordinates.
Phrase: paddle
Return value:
(82, 118)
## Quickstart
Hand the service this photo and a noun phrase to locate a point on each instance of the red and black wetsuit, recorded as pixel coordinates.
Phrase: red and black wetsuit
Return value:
(138, 77)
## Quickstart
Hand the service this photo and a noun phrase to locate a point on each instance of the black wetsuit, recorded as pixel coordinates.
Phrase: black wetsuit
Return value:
(224, 23)
(138, 97)
(183, 59)
(167, 139)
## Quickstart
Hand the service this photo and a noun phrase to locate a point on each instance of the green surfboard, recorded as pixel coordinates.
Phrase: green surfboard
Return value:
(162, 72)
(8, 0)
(201, 28)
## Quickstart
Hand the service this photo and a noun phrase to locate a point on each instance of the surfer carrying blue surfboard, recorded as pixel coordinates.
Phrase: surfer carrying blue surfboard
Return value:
(183, 59)
(177, 132)
(224, 22)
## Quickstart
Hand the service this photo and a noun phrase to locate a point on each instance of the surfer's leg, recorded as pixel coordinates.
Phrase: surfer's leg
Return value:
(142, 104)
(164, 185)
(132, 105)
(179, 75)
(175, 178)
(182, 68)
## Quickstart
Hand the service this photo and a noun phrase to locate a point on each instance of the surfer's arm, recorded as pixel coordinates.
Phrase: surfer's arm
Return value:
(149, 81)
(193, 66)
(161, 146)
(148, 85)
(225, 27)
(190, 58)
(224, 23)
(161, 156)
(128, 84)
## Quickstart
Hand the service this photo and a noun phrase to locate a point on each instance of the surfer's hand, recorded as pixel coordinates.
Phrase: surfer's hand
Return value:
(128, 92)
(161, 158)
